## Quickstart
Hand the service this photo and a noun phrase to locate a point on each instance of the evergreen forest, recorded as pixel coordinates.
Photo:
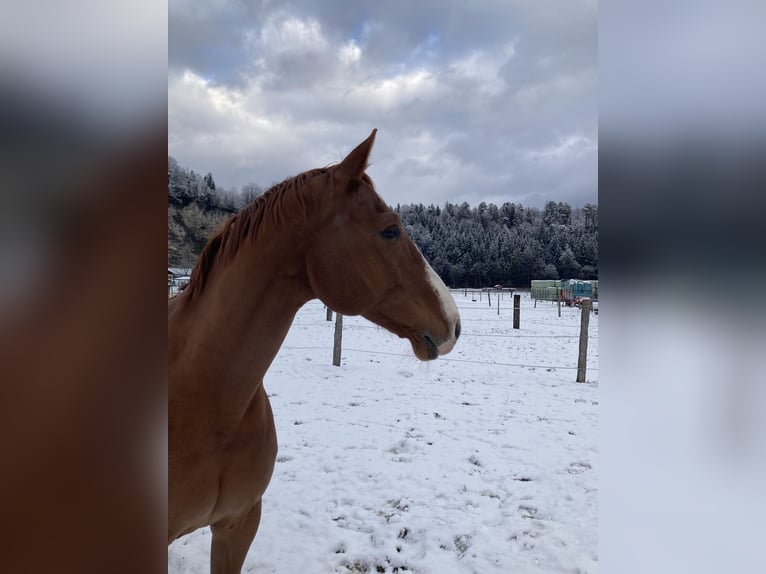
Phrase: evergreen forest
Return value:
(468, 246)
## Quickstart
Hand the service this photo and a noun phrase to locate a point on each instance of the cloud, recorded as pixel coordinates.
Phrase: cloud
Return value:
(468, 98)
(349, 53)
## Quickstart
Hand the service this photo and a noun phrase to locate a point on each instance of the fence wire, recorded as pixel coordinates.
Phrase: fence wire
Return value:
(441, 359)
(469, 334)
(330, 324)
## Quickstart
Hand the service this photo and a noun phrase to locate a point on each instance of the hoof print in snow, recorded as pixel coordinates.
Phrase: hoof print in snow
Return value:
(357, 566)
(403, 449)
(474, 460)
(341, 549)
(527, 511)
(462, 544)
(489, 493)
(438, 416)
(403, 533)
(578, 467)
(412, 433)
(284, 458)
(399, 504)
(385, 568)
(523, 541)
(387, 516)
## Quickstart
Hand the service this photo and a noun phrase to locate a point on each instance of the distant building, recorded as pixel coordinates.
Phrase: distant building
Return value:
(568, 292)
(179, 271)
(178, 277)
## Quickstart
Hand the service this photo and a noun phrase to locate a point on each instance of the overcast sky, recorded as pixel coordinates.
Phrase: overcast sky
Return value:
(474, 101)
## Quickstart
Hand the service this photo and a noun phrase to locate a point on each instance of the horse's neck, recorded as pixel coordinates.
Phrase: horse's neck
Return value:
(242, 318)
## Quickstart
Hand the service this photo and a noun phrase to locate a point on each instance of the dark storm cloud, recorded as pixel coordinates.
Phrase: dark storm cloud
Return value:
(473, 100)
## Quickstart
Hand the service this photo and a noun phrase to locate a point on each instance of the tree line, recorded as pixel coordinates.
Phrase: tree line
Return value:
(185, 186)
(467, 246)
(508, 245)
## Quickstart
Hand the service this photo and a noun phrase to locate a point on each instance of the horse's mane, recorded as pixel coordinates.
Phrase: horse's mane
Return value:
(245, 225)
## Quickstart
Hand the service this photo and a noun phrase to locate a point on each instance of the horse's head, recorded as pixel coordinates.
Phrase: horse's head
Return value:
(361, 262)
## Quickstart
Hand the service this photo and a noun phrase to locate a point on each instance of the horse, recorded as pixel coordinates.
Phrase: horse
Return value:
(324, 234)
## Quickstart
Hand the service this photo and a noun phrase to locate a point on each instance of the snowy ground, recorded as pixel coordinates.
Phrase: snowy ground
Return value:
(390, 465)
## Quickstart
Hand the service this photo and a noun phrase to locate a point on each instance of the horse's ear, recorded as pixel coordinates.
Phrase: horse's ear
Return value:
(355, 163)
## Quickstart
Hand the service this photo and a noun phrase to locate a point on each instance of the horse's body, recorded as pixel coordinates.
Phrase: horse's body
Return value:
(324, 234)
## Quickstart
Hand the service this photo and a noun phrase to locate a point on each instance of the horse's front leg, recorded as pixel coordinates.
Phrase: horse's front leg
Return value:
(232, 540)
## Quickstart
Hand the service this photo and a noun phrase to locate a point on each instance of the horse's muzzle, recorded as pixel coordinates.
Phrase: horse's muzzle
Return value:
(432, 350)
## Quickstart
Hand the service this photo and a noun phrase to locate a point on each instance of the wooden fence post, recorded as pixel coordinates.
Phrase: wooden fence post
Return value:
(583, 356)
(558, 300)
(329, 314)
(516, 310)
(498, 303)
(489, 298)
(338, 338)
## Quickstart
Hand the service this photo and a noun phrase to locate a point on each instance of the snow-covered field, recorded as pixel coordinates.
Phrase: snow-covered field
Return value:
(387, 464)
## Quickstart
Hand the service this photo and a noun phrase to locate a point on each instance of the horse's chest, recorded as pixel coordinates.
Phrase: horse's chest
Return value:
(231, 469)
(247, 459)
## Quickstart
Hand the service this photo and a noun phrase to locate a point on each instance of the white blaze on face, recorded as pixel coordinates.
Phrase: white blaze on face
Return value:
(448, 307)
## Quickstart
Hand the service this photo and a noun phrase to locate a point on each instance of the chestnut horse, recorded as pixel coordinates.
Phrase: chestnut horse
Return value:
(323, 234)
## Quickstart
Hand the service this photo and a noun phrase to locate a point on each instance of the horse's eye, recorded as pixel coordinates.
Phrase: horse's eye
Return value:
(390, 232)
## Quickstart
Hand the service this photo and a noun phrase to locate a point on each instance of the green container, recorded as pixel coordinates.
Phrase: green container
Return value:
(552, 293)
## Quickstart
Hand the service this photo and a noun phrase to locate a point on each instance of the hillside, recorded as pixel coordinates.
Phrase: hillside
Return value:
(195, 209)
(189, 228)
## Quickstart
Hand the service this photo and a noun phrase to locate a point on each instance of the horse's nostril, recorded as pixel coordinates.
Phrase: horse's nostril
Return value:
(457, 330)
